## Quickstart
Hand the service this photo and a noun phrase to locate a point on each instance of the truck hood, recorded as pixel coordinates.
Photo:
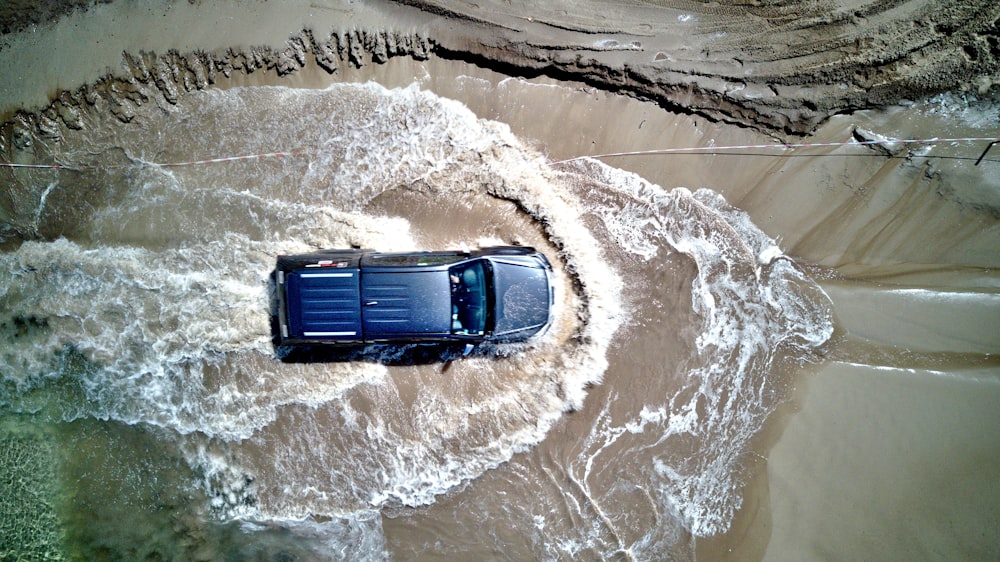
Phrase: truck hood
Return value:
(522, 297)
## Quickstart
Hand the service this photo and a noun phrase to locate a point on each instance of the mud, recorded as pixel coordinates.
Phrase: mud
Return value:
(779, 66)
(18, 15)
(149, 77)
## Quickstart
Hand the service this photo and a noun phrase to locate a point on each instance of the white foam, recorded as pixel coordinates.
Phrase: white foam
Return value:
(752, 302)
(975, 112)
(375, 140)
(152, 327)
(180, 338)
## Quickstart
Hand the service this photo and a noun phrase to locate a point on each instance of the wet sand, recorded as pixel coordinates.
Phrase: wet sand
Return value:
(780, 66)
(888, 449)
(889, 464)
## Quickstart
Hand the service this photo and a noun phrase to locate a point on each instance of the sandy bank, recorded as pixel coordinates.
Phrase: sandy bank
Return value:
(780, 66)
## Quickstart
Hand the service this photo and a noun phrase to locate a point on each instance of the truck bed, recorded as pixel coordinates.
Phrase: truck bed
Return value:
(319, 297)
(325, 304)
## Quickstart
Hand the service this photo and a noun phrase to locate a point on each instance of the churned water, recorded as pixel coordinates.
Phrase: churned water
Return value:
(139, 367)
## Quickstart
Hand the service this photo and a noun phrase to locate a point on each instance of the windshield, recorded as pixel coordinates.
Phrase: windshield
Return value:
(468, 298)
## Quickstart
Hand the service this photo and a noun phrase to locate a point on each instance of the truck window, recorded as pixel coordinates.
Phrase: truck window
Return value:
(411, 260)
(468, 298)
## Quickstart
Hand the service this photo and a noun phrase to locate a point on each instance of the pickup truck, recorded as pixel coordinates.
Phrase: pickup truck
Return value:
(353, 297)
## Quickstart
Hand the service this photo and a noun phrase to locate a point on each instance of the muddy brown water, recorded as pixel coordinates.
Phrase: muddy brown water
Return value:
(702, 300)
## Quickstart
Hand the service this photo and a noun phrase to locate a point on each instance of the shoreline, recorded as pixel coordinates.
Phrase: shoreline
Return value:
(670, 59)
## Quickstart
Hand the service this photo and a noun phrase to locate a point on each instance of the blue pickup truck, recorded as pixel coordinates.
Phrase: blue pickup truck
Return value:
(352, 297)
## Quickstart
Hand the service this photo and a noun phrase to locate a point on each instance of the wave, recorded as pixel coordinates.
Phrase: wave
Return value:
(178, 338)
(753, 309)
(152, 307)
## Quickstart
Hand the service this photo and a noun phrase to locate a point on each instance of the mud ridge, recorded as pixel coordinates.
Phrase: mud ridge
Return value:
(149, 77)
(781, 67)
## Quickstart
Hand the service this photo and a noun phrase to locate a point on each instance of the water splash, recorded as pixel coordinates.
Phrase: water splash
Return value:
(155, 311)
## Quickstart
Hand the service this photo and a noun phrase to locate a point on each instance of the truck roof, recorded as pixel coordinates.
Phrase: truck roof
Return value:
(400, 304)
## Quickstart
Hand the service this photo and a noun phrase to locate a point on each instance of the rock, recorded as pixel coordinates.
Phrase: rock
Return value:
(379, 48)
(391, 45)
(20, 133)
(68, 110)
(880, 143)
(89, 94)
(136, 66)
(123, 111)
(199, 68)
(420, 48)
(286, 62)
(328, 53)
(48, 125)
(163, 78)
(231, 61)
(257, 57)
(294, 55)
(299, 46)
(120, 90)
(355, 49)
